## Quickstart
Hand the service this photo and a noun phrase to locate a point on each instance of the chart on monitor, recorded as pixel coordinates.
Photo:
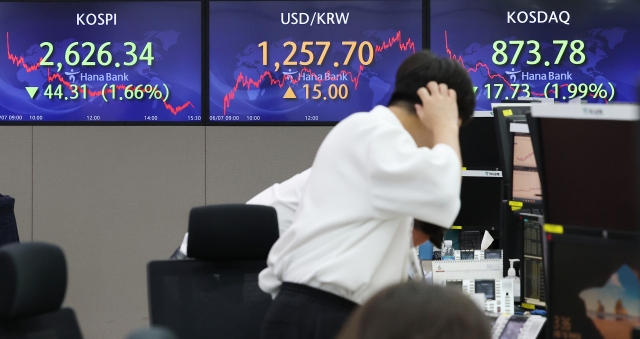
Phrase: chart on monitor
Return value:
(526, 186)
(523, 151)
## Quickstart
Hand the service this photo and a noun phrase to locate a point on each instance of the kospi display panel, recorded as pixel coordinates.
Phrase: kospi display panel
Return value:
(306, 61)
(96, 62)
(561, 49)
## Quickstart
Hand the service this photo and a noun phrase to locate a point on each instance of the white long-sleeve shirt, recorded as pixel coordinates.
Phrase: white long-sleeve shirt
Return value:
(353, 227)
(284, 197)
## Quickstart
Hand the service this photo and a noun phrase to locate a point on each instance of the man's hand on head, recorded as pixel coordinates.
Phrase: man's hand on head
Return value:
(439, 109)
(439, 114)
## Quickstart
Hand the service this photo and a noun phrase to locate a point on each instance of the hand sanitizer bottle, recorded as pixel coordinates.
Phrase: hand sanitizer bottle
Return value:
(511, 274)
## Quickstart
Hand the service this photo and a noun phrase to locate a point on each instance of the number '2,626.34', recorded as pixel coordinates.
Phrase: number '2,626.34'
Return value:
(104, 57)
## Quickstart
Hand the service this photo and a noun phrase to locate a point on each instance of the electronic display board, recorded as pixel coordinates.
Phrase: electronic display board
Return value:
(561, 49)
(95, 62)
(306, 61)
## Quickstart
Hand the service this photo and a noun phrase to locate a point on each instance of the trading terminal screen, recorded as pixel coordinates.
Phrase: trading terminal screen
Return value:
(526, 185)
(488, 287)
(590, 173)
(533, 278)
(600, 299)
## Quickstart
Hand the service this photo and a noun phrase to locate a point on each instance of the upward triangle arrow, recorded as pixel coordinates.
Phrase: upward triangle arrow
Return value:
(290, 94)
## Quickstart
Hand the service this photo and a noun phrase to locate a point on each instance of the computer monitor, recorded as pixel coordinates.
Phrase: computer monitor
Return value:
(480, 199)
(504, 115)
(593, 289)
(525, 184)
(486, 286)
(587, 159)
(478, 143)
(532, 274)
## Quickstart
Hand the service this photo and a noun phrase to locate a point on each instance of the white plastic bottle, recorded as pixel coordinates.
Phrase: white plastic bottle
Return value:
(511, 274)
(447, 251)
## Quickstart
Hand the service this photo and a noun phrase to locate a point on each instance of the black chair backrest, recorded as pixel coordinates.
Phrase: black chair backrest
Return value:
(8, 226)
(216, 295)
(32, 288)
(232, 232)
(60, 324)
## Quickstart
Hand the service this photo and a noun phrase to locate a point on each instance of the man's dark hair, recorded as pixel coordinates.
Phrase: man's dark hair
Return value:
(420, 68)
(435, 233)
(417, 310)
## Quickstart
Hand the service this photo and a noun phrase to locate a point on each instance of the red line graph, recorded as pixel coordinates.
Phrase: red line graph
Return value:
(491, 75)
(247, 83)
(19, 61)
(396, 39)
(525, 158)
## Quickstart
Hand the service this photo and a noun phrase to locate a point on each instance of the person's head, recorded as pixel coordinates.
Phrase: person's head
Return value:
(422, 67)
(434, 233)
(417, 311)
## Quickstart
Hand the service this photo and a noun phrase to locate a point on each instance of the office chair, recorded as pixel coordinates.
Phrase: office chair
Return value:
(8, 226)
(152, 333)
(215, 294)
(32, 287)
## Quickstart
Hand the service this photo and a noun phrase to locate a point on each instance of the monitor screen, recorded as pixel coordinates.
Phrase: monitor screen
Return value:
(594, 288)
(488, 287)
(480, 209)
(306, 61)
(479, 144)
(513, 328)
(466, 255)
(589, 172)
(493, 254)
(455, 284)
(533, 289)
(563, 49)
(504, 116)
(95, 62)
(526, 185)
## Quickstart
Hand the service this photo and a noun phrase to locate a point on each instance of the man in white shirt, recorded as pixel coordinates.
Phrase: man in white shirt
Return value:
(374, 173)
(285, 198)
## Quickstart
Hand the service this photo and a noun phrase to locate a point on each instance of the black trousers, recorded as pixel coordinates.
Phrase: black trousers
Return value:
(303, 312)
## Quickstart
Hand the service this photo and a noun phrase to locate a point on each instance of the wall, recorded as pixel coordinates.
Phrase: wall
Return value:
(116, 197)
